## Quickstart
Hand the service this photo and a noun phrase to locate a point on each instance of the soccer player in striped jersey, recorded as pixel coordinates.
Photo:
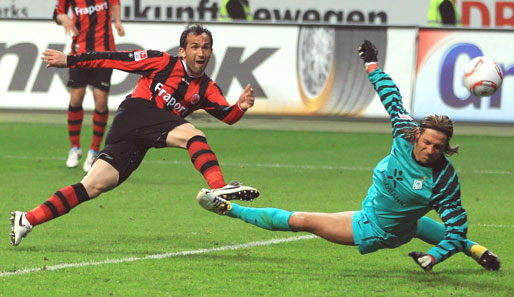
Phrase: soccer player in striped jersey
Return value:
(153, 115)
(91, 30)
(413, 179)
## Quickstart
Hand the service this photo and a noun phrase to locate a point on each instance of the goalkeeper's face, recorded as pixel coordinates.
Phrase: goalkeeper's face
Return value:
(429, 146)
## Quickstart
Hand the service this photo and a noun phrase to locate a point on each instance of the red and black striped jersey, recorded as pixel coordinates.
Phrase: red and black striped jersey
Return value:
(93, 19)
(164, 80)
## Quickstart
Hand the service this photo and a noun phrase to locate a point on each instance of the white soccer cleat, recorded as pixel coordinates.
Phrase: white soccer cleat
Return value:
(20, 227)
(236, 191)
(91, 157)
(208, 200)
(74, 157)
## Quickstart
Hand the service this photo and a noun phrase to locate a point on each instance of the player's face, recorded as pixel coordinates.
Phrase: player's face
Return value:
(197, 53)
(429, 146)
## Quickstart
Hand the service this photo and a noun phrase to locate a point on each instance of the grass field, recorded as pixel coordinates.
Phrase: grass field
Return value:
(150, 238)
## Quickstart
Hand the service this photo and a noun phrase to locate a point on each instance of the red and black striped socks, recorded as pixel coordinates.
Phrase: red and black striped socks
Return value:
(60, 203)
(205, 161)
(75, 117)
(99, 124)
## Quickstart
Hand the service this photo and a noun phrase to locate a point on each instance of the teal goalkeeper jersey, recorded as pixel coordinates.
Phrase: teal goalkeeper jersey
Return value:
(404, 190)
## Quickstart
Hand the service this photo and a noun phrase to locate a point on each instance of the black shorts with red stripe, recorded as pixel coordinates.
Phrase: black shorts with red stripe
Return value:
(96, 77)
(137, 126)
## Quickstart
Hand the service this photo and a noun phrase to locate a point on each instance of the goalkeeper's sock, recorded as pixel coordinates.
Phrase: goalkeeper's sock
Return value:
(60, 203)
(205, 161)
(99, 124)
(75, 117)
(268, 218)
(430, 231)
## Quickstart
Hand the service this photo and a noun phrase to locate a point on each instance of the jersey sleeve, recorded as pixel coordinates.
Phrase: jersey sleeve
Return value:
(392, 100)
(217, 106)
(143, 62)
(446, 200)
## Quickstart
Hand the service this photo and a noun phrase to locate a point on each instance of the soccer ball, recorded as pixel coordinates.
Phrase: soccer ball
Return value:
(482, 76)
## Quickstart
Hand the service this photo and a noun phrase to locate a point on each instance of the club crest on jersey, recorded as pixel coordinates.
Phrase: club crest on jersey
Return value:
(418, 184)
(140, 55)
(195, 98)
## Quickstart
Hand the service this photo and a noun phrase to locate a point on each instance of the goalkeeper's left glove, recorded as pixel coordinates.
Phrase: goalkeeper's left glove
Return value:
(425, 261)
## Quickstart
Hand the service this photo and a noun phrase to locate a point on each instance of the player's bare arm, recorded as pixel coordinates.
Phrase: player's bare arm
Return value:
(117, 20)
(67, 23)
(247, 98)
(54, 58)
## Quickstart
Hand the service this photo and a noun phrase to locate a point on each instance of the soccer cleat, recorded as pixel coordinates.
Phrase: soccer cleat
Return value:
(236, 191)
(91, 157)
(485, 257)
(74, 157)
(20, 227)
(208, 200)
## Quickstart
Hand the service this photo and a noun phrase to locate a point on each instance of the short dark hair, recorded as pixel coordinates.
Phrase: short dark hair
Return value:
(195, 29)
(441, 123)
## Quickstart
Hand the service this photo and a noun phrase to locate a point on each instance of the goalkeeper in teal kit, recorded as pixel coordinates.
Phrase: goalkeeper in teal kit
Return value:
(413, 179)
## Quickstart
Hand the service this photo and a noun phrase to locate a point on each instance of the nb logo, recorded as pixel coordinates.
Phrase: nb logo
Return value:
(397, 176)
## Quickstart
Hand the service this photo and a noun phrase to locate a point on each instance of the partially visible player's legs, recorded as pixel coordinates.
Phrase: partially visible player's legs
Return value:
(75, 117)
(188, 137)
(101, 178)
(430, 231)
(335, 227)
(100, 117)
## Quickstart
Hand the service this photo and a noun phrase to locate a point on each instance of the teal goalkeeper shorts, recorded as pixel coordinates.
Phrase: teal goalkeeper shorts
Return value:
(370, 238)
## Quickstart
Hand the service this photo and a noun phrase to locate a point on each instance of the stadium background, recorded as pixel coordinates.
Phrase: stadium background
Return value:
(313, 62)
(108, 247)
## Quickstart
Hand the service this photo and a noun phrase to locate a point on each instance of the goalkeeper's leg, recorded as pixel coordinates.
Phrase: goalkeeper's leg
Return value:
(268, 218)
(430, 231)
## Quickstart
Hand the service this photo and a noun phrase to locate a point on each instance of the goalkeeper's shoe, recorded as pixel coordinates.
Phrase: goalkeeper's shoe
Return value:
(74, 157)
(208, 200)
(20, 227)
(485, 257)
(236, 191)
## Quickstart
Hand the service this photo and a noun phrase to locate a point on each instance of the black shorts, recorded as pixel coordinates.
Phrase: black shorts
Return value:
(137, 126)
(97, 77)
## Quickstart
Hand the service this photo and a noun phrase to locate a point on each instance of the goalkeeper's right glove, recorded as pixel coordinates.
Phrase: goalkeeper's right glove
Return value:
(425, 261)
(485, 257)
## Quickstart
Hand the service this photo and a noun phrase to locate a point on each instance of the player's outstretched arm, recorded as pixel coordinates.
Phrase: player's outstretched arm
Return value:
(54, 58)
(247, 98)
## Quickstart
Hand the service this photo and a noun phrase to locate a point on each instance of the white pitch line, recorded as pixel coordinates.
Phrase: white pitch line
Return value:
(264, 165)
(157, 256)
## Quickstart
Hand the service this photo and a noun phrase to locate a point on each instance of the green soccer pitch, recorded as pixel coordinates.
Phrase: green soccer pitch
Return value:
(149, 237)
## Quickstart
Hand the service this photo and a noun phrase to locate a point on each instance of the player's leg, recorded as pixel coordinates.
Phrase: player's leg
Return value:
(75, 117)
(100, 79)
(430, 231)
(335, 227)
(101, 178)
(100, 117)
(186, 136)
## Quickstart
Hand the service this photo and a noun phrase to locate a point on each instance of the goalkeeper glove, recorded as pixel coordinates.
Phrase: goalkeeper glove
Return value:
(485, 257)
(425, 261)
(368, 52)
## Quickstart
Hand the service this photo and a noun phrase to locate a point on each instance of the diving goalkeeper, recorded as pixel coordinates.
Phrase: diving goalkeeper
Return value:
(413, 179)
